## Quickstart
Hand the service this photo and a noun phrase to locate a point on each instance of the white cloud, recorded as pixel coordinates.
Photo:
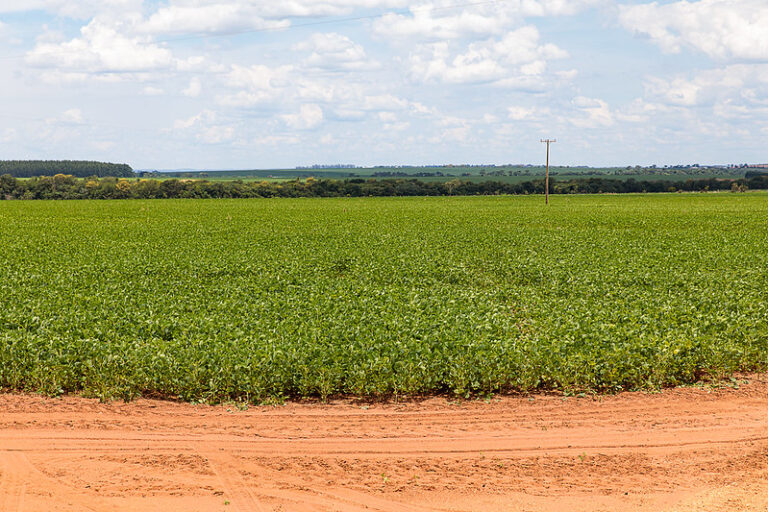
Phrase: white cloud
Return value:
(8, 135)
(20, 5)
(254, 85)
(517, 56)
(199, 64)
(326, 91)
(747, 83)
(209, 17)
(723, 29)
(100, 49)
(73, 115)
(77, 9)
(441, 82)
(80, 9)
(594, 113)
(522, 113)
(396, 126)
(388, 117)
(335, 52)
(383, 102)
(86, 9)
(152, 91)
(422, 24)
(276, 140)
(308, 117)
(205, 127)
(459, 134)
(442, 20)
(194, 88)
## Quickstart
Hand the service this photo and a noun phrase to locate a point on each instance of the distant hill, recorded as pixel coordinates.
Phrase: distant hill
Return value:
(81, 169)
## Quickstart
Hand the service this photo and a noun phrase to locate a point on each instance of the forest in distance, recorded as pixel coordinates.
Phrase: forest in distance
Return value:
(81, 169)
(63, 186)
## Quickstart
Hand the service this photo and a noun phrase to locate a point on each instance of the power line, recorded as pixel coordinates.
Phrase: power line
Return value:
(280, 28)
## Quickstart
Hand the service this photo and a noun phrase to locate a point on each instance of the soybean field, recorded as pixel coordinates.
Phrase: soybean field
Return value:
(273, 299)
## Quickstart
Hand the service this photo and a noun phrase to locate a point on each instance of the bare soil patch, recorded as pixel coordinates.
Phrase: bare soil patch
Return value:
(689, 449)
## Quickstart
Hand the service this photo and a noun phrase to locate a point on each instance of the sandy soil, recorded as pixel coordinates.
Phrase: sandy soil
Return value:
(681, 450)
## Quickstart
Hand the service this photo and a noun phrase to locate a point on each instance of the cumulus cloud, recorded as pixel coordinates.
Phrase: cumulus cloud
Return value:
(80, 9)
(442, 19)
(209, 17)
(73, 115)
(152, 91)
(592, 113)
(722, 29)
(100, 49)
(194, 88)
(517, 55)
(8, 135)
(524, 113)
(254, 85)
(70, 117)
(9, 6)
(423, 24)
(205, 127)
(383, 102)
(335, 52)
(435, 76)
(737, 84)
(86, 9)
(309, 116)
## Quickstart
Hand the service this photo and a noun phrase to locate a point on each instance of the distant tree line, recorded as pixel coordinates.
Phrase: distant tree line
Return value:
(81, 169)
(399, 174)
(63, 186)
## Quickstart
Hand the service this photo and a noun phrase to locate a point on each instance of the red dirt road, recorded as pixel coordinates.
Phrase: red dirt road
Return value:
(682, 450)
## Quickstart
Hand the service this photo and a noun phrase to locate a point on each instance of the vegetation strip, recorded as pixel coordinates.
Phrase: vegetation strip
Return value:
(63, 186)
(82, 169)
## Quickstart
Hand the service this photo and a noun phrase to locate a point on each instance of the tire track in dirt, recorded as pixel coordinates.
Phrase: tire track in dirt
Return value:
(12, 482)
(236, 490)
(292, 487)
(680, 450)
(22, 476)
(385, 447)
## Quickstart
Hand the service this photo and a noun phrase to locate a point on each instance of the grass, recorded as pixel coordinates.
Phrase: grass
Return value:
(263, 300)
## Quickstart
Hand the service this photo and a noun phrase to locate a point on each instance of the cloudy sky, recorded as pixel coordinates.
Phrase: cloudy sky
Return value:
(280, 83)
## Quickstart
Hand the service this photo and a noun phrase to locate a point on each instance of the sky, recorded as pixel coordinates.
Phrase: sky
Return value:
(236, 84)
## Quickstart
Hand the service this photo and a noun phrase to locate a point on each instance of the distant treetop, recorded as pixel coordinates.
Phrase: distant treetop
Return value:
(81, 169)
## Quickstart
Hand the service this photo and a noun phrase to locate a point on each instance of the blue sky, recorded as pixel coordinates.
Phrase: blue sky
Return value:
(260, 84)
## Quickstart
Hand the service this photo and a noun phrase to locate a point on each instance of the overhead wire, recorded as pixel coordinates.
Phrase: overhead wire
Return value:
(250, 31)
(292, 26)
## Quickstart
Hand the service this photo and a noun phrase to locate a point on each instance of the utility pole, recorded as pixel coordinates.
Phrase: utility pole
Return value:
(546, 181)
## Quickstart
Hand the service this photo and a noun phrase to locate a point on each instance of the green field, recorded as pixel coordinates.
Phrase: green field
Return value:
(503, 173)
(261, 300)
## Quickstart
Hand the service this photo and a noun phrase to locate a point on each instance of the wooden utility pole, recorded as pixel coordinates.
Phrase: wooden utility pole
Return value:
(546, 181)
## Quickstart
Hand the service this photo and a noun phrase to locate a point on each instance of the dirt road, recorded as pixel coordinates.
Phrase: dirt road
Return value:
(681, 450)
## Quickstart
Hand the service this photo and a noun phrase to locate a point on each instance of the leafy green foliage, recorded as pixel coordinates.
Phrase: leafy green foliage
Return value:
(63, 186)
(257, 300)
